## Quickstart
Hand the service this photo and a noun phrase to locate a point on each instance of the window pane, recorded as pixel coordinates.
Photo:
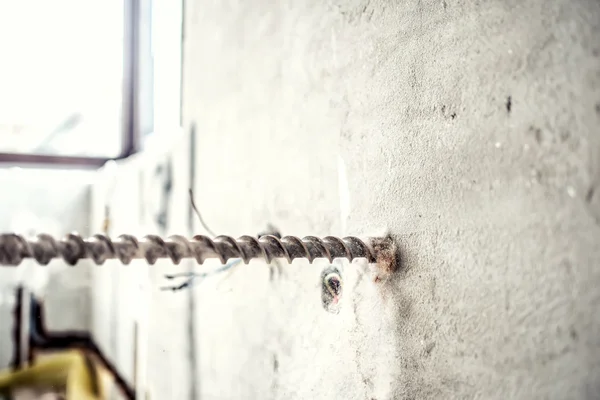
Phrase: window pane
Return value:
(61, 72)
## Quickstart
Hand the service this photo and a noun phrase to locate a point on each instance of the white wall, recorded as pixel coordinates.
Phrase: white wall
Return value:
(50, 201)
(126, 296)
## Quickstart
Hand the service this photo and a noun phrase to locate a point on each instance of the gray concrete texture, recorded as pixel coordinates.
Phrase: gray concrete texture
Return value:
(469, 128)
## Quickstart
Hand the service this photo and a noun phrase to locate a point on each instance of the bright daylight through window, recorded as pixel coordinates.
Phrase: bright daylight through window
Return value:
(61, 77)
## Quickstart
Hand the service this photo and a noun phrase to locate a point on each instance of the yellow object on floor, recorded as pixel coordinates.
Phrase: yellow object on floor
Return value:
(71, 372)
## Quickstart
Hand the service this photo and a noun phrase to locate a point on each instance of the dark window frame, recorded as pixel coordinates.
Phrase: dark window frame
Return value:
(131, 112)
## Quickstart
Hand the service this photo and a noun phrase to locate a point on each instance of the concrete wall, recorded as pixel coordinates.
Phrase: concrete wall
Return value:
(469, 128)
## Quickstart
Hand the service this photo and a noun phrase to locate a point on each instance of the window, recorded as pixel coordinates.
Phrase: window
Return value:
(70, 79)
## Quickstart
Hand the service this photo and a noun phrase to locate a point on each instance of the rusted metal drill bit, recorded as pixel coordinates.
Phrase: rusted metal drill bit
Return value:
(72, 248)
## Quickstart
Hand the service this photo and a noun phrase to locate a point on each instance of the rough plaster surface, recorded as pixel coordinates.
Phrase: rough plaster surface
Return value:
(469, 128)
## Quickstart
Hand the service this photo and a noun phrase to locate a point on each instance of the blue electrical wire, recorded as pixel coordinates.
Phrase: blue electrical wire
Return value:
(192, 276)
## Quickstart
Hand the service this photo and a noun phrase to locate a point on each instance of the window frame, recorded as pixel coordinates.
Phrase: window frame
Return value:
(136, 31)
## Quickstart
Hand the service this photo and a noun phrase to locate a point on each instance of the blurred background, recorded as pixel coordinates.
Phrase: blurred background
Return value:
(469, 130)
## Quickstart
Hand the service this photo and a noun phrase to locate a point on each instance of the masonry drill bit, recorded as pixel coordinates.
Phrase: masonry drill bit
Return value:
(99, 248)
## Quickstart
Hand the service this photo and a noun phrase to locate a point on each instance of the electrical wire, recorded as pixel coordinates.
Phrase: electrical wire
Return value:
(192, 276)
(193, 203)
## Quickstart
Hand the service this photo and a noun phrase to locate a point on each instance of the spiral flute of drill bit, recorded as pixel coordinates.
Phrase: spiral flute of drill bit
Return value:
(72, 248)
